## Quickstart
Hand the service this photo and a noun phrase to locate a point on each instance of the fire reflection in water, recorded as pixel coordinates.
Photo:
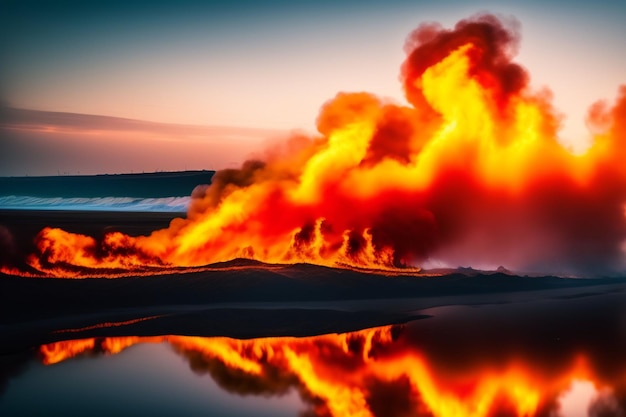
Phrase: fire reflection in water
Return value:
(388, 371)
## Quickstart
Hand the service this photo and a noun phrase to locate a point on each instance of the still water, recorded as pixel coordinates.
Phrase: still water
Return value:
(146, 379)
(450, 365)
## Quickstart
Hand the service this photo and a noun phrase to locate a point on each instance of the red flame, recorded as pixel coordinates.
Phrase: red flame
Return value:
(471, 173)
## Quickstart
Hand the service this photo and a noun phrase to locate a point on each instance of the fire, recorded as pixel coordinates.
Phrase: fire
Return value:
(342, 374)
(471, 172)
(60, 351)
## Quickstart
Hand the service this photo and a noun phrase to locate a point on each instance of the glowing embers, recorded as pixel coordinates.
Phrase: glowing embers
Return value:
(383, 371)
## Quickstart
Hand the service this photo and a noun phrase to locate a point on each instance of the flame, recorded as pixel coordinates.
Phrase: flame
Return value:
(472, 172)
(57, 352)
(339, 374)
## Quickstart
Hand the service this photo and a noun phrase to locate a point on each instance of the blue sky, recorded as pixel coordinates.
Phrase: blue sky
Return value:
(273, 64)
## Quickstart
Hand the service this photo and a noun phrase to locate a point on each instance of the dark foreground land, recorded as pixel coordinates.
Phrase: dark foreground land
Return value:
(248, 299)
(257, 300)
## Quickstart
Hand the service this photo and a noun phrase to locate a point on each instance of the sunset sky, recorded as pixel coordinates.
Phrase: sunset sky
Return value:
(256, 70)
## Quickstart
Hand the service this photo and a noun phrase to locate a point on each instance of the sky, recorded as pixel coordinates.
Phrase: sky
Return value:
(264, 68)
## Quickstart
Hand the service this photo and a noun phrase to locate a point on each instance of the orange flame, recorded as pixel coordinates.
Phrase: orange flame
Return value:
(471, 173)
(343, 373)
(60, 351)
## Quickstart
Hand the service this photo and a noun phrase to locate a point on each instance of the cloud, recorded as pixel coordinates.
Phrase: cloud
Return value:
(50, 143)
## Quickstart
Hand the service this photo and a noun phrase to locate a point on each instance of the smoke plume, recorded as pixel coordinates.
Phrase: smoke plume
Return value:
(471, 173)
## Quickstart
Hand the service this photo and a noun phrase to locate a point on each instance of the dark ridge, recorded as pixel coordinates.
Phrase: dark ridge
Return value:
(236, 263)
(145, 185)
(35, 298)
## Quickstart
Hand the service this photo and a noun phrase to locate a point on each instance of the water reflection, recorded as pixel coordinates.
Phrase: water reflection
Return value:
(558, 357)
(394, 371)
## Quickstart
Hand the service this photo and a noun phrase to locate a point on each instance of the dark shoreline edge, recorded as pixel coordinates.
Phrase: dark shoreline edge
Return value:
(239, 282)
(257, 301)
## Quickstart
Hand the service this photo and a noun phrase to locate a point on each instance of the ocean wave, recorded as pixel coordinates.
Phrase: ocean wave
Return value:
(163, 204)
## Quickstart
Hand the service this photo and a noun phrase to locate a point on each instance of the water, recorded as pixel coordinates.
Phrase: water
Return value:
(560, 357)
(146, 379)
(385, 371)
(123, 204)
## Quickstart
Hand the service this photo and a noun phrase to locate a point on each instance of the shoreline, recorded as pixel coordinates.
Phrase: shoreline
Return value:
(35, 311)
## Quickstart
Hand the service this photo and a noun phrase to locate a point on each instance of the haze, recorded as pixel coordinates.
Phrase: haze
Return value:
(245, 65)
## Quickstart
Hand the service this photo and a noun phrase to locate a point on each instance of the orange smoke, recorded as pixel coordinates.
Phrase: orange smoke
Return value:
(472, 173)
(370, 373)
